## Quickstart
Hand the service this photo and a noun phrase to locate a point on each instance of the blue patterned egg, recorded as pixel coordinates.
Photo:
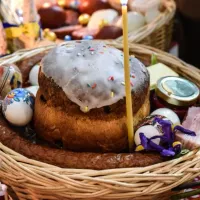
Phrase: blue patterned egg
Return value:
(17, 107)
(10, 78)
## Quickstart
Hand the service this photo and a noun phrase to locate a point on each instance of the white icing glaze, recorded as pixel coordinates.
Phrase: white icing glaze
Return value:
(83, 69)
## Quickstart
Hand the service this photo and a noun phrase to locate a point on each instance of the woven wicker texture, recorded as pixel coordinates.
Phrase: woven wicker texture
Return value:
(35, 180)
(158, 33)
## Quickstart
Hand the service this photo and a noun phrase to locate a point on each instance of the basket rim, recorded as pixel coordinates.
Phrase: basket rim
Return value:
(105, 184)
(162, 19)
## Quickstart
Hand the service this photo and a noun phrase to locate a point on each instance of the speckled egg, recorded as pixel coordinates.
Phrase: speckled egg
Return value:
(33, 75)
(169, 114)
(17, 107)
(33, 89)
(10, 78)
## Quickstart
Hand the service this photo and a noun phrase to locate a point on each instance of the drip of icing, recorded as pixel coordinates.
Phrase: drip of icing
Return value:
(85, 79)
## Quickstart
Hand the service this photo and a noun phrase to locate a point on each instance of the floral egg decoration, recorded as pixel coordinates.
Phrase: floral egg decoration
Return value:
(17, 107)
(10, 78)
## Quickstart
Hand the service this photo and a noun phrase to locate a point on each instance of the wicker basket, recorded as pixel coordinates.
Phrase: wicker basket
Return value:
(35, 180)
(158, 33)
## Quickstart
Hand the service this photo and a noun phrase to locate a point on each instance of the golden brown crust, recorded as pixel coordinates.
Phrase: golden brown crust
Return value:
(70, 159)
(96, 131)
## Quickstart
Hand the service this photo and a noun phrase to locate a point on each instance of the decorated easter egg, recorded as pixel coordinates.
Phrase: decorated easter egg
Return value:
(10, 78)
(149, 131)
(135, 21)
(84, 19)
(107, 14)
(52, 17)
(50, 35)
(33, 75)
(33, 89)
(17, 107)
(169, 114)
(67, 38)
(90, 6)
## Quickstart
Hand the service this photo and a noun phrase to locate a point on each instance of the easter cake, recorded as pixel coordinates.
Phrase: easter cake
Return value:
(81, 99)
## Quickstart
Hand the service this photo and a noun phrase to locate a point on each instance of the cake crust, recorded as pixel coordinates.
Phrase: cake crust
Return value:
(63, 94)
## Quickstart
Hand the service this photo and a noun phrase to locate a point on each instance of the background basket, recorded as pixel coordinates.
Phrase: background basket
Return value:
(158, 33)
(35, 180)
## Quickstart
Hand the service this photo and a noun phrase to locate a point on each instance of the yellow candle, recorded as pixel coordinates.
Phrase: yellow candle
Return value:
(129, 109)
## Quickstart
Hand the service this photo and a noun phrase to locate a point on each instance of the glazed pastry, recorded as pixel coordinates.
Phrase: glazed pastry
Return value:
(81, 100)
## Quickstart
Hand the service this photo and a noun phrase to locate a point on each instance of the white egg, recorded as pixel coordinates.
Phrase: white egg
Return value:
(17, 107)
(135, 21)
(108, 15)
(33, 75)
(149, 131)
(151, 15)
(33, 89)
(169, 114)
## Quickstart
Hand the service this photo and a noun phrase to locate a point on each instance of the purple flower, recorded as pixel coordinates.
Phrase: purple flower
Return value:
(183, 130)
(166, 128)
(167, 147)
(167, 153)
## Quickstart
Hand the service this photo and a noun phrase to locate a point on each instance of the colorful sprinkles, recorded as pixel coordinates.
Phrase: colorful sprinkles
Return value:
(112, 94)
(132, 76)
(111, 78)
(86, 109)
(131, 84)
(94, 85)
